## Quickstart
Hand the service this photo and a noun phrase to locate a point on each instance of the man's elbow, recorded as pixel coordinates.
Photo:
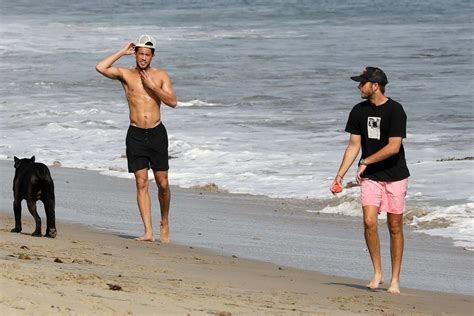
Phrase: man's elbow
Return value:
(99, 69)
(173, 103)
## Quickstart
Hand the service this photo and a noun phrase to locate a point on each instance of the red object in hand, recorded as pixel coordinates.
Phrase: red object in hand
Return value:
(336, 188)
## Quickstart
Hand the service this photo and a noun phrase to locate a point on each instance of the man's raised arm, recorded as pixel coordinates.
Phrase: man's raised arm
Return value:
(105, 65)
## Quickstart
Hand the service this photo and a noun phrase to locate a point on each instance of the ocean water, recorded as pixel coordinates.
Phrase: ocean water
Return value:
(263, 89)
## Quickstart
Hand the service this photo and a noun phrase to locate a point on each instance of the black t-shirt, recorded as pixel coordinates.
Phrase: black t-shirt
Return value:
(375, 124)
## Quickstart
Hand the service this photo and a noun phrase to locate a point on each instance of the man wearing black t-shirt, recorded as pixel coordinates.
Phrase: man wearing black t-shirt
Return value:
(378, 125)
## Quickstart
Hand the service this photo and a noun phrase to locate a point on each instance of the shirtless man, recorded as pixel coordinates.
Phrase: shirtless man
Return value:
(146, 88)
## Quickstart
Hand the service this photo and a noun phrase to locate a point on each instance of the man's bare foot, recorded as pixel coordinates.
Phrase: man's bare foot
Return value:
(164, 233)
(376, 281)
(145, 238)
(394, 288)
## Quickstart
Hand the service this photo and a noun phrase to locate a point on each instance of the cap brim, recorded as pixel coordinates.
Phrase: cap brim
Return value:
(359, 79)
(145, 46)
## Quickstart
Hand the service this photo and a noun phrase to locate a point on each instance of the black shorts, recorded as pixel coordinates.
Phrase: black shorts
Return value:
(147, 148)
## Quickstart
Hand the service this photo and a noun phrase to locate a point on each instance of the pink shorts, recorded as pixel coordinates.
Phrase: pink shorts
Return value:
(388, 196)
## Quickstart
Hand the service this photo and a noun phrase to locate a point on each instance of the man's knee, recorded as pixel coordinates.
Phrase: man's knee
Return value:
(161, 179)
(395, 229)
(142, 183)
(370, 223)
(395, 224)
(370, 218)
(163, 184)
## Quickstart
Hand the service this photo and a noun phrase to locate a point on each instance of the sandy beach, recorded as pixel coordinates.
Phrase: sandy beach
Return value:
(264, 92)
(86, 270)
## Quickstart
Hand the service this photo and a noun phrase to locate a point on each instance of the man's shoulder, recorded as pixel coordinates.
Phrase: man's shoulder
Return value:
(394, 103)
(361, 105)
(159, 71)
(395, 107)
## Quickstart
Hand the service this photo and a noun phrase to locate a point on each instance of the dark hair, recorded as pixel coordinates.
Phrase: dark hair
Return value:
(382, 88)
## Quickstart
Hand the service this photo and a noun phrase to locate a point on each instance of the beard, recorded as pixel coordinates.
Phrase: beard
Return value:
(366, 95)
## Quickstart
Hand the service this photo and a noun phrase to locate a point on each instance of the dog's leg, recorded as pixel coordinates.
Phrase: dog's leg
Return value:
(17, 211)
(32, 208)
(50, 217)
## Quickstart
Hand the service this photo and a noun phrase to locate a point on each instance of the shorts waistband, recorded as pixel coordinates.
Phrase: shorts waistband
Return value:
(146, 129)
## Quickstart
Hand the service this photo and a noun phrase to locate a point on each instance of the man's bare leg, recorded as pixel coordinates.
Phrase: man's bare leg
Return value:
(164, 196)
(395, 227)
(373, 243)
(144, 204)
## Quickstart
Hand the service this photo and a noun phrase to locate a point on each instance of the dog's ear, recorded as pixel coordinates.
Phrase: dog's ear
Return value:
(17, 161)
(32, 158)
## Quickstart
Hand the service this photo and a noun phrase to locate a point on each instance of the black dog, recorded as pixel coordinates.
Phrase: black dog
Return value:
(33, 182)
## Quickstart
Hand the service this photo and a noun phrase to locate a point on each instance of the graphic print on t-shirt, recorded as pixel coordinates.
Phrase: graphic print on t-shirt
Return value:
(373, 127)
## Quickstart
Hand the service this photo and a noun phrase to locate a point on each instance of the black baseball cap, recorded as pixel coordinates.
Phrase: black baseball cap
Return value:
(372, 74)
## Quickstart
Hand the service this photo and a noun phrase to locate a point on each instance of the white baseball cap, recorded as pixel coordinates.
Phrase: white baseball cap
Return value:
(146, 40)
